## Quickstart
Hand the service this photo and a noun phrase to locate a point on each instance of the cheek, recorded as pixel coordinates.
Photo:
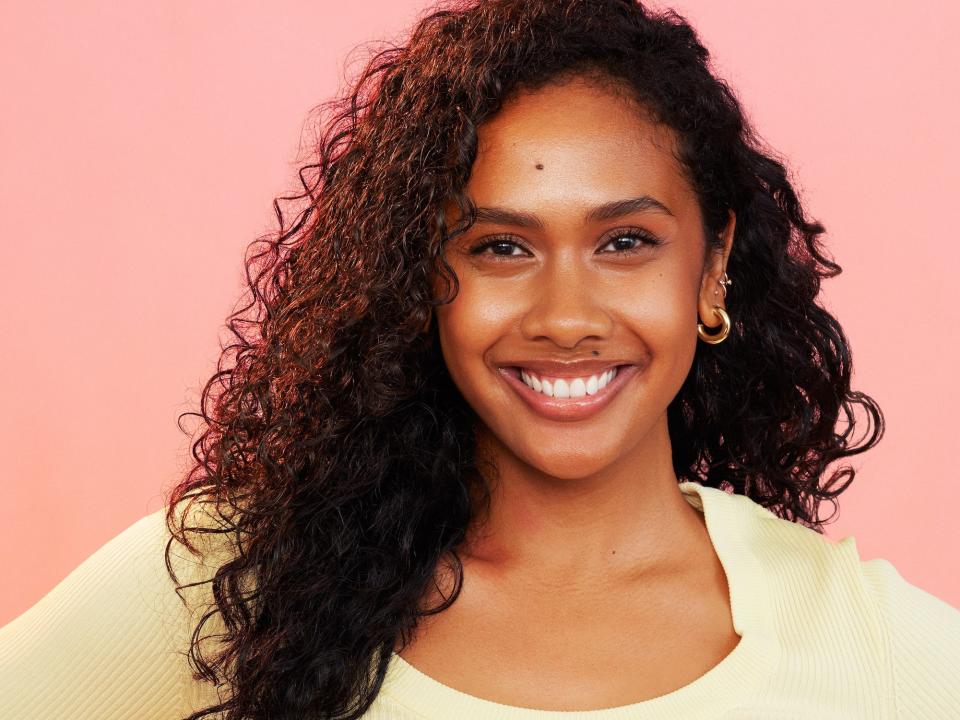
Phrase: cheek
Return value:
(663, 315)
(671, 317)
(468, 327)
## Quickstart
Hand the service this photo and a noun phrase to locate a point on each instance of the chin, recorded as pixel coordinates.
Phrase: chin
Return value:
(567, 466)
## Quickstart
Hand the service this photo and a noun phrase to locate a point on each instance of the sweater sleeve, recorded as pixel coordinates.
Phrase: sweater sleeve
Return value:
(923, 641)
(103, 643)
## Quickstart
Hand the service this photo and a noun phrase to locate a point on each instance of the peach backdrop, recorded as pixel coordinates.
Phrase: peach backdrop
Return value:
(143, 143)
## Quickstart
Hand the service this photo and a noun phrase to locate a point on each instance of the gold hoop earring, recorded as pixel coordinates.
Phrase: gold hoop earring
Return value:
(720, 336)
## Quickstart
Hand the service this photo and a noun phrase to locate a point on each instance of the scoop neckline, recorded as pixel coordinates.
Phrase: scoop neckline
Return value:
(731, 681)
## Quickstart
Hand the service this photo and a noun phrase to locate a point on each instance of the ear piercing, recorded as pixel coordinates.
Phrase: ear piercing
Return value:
(719, 311)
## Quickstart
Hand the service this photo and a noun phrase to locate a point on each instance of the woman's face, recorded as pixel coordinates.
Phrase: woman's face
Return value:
(587, 255)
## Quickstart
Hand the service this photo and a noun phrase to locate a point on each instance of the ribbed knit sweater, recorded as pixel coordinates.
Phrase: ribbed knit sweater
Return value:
(824, 635)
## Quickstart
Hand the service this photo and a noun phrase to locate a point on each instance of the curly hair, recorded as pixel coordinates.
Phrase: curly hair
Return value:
(336, 452)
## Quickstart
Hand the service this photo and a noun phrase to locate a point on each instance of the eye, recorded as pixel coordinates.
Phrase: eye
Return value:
(496, 243)
(639, 237)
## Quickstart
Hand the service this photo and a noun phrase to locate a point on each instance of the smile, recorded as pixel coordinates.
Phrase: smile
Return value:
(568, 387)
(567, 398)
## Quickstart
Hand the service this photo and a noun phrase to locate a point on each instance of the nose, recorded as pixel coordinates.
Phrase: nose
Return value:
(566, 306)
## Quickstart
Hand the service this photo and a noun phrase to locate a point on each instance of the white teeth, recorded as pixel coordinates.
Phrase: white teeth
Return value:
(531, 380)
(560, 388)
(568, 387)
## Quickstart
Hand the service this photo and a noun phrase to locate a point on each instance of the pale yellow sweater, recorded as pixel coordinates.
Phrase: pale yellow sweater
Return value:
(824, 635)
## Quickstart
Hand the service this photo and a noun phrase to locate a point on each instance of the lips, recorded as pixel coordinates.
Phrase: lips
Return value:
(569, 409)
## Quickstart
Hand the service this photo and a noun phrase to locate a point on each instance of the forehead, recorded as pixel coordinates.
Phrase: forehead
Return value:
(576, 142)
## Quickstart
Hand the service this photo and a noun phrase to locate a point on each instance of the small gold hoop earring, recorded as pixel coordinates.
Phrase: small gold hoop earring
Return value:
(724, 331)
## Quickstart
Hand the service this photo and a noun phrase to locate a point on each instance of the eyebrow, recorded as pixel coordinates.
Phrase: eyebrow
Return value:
(607, 211)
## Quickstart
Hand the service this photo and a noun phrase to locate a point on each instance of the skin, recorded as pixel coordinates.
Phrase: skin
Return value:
(592, 582)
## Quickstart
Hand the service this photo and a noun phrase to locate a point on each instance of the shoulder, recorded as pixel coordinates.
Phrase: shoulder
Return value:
(807, 576)
(780, 548)
(120, 612)
(823, 594)
(903, 602)
(790, 549)
(922, 635)
(136, 558)
(787, 550)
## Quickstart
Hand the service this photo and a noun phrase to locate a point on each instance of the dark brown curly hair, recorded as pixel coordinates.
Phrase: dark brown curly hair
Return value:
(337, 455)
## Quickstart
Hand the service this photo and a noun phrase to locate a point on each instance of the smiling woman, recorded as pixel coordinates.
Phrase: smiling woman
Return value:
(532, 421)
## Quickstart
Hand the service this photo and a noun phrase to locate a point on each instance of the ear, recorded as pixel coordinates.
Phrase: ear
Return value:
(711, 292)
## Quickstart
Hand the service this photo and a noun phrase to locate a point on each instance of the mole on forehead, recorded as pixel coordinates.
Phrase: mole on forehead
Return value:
(539, 166)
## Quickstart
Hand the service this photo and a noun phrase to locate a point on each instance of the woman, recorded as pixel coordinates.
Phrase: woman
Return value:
(533, 416)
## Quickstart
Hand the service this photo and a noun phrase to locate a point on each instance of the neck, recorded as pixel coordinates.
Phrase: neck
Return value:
(628, 520)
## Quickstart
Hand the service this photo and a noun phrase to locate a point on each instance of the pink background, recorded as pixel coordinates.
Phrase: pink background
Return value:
(143, 143)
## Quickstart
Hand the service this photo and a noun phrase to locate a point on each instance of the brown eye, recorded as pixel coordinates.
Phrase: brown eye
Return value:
(635, 240)
(500, 247)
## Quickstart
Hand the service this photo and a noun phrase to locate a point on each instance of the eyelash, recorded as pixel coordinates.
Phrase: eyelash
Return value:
(645, 238)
